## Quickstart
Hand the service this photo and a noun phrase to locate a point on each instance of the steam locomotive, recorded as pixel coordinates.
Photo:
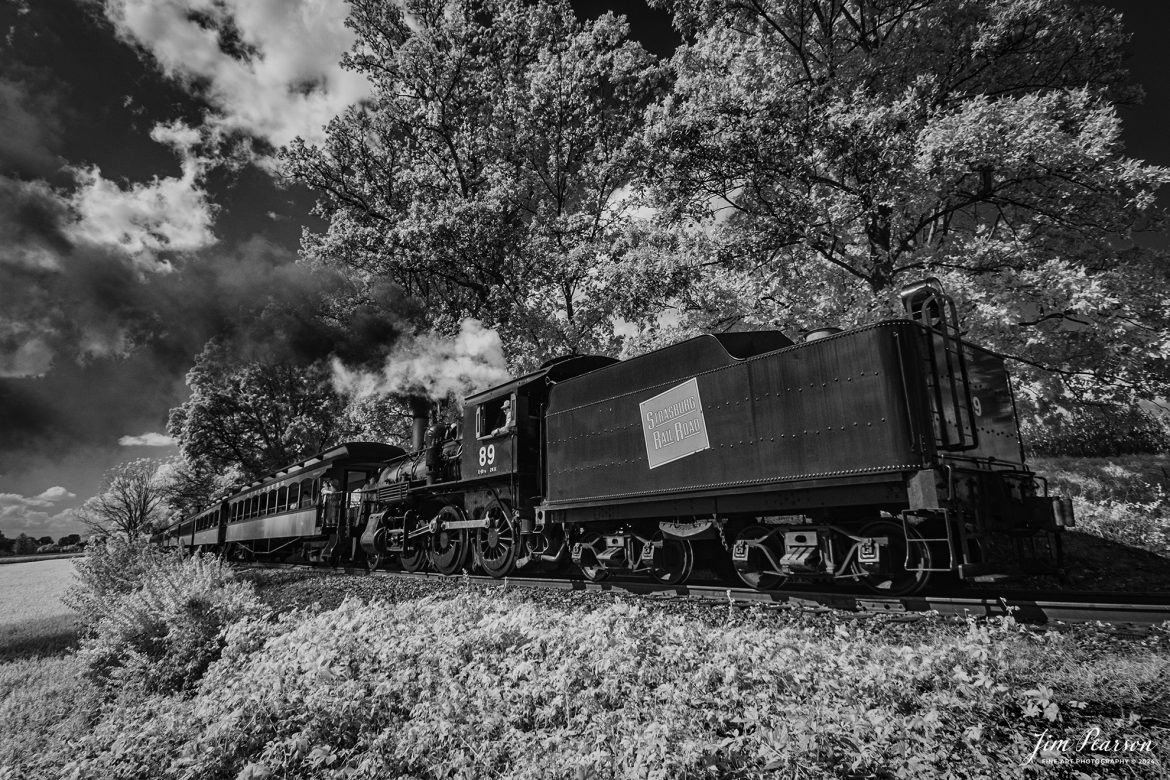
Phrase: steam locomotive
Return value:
(879, 456)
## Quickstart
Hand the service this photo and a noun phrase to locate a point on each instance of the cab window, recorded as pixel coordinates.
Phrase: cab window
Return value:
(495, 417)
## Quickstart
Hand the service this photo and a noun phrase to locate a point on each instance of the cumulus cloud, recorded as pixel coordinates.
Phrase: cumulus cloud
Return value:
(54, 494)
(431, 365)
(73, 262)
(171, 214)
(147, 440)
(41, 313)
(269, 67)
(38, 515)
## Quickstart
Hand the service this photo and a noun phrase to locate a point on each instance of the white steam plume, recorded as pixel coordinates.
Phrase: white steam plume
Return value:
(432, 365)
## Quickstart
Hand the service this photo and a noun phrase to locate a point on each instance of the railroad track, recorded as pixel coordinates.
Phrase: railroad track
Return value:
(1120, 609)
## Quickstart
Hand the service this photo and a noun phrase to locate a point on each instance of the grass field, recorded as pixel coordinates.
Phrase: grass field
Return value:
(33, 618)
(36, 558)
(375, 677)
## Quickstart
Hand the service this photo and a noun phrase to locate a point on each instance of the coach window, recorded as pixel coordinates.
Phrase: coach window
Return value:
(294, 495)
(306, 492)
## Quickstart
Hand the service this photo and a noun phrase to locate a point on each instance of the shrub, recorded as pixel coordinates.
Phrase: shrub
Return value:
(43, 703)
(1097, 432)
(153, 620)
(1144, 525)
(1126, 500)
(489, 685)
(110, 569)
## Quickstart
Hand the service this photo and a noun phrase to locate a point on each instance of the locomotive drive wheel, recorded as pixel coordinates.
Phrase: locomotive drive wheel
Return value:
(754, 576)
(414, 557)
(590, 567)
(450, 549)
(674, 562)
(890, 576)
(497, 546)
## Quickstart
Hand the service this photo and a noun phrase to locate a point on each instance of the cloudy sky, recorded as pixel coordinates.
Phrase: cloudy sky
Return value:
(141, 211)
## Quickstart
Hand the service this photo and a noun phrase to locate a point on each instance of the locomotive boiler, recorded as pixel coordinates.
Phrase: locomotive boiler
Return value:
(881, 455)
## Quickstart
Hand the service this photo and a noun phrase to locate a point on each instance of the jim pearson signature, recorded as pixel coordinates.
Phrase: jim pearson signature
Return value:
(1091, 742)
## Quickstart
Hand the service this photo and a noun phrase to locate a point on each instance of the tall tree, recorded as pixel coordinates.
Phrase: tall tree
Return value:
(254, 415)
(488, 173)
(190, 485)
(131, 502)
(832, 150)
(247, 417)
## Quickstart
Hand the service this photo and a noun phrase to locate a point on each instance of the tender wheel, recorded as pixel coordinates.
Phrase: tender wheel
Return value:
(746, 546)
(497, 545)
(674, 562)
(449, 549)
(590, 566)
(889, 575)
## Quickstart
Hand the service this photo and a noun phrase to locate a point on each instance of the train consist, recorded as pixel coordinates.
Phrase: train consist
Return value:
(878, 456)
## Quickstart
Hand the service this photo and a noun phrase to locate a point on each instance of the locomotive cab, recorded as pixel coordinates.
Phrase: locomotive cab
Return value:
(466, 498)
(496, 427)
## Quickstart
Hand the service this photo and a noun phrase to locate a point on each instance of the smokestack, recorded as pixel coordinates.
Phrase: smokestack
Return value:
(420, 415)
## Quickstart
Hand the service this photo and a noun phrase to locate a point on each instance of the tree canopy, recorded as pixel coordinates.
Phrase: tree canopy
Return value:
(833, 150)
(792, 165)
(256, 415)
(247, 417)
(488, 173)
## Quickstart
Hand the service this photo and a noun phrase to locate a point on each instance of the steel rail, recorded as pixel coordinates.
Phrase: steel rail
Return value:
(1023, 608)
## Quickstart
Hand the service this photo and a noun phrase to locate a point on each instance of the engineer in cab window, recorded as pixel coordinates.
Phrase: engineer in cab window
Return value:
(506, 419)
